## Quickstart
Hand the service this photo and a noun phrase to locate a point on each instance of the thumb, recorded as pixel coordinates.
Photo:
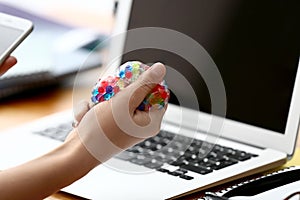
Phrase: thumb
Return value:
(7, 64)
(145, 83)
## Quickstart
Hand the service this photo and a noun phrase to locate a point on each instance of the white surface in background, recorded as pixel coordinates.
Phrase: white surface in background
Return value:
(92, 6)
(44, 58)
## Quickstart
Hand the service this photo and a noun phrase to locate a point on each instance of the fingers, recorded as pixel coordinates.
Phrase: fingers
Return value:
(126, 116)
(152, 118)
(145, 83)
(79, 111)
(7, 64)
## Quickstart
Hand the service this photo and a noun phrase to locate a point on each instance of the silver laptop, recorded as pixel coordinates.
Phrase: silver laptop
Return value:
(255, 51)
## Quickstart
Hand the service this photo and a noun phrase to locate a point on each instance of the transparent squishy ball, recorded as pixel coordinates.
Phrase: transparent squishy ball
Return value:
(126, 74)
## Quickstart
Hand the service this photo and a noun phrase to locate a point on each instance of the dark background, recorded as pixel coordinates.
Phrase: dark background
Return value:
(255, 45)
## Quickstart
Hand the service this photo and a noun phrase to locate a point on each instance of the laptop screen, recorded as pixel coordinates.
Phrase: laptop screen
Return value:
(255, 45)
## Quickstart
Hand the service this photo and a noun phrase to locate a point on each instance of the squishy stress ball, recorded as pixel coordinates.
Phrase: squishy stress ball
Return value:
(126, 74)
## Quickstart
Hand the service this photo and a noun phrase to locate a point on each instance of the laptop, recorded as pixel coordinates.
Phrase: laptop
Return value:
(255, 47)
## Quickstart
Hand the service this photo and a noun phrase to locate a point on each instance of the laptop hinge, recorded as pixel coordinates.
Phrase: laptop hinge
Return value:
(295, 142)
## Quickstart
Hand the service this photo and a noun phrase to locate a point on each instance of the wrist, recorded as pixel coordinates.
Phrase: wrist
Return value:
(77, 154)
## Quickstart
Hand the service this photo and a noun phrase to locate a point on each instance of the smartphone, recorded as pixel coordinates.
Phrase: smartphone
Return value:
(13, 30)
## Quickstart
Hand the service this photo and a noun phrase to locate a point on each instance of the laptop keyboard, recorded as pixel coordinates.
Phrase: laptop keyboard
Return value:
(59, 132)
(186, 154)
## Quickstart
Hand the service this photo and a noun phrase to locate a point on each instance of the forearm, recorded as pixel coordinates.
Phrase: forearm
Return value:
(47, 174)
(104, 132)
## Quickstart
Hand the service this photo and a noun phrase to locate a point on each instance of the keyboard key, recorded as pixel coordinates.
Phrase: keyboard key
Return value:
(141, 160)
(186, 177)
(65, 126)
(240, 156)
(180, 161)
(253, 155)
(162, 170)
(220, 165)
(176, 145)
(135, 149)
(178, 172)
(168, 135)
(197, 169)
(59, 132)
(172, 152)
(205, 164)
(164, 158)
(127, 156)
(183, 170)
(154, 164)
(197, 144)
(175, 173)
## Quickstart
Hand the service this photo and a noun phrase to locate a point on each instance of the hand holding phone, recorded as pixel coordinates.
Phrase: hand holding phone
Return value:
(7, 64)
(13, 30)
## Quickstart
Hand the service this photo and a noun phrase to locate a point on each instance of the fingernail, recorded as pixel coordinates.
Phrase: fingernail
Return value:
(158, 70)
(74, 123)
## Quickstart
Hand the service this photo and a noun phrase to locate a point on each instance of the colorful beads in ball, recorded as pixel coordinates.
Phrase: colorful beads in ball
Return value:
(126, 74)
(159, 97)
(105, 89)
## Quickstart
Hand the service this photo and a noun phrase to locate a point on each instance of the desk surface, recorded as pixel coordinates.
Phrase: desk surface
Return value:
(33, 106)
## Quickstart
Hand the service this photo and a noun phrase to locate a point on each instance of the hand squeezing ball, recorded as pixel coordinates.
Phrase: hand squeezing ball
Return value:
(126, 74)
